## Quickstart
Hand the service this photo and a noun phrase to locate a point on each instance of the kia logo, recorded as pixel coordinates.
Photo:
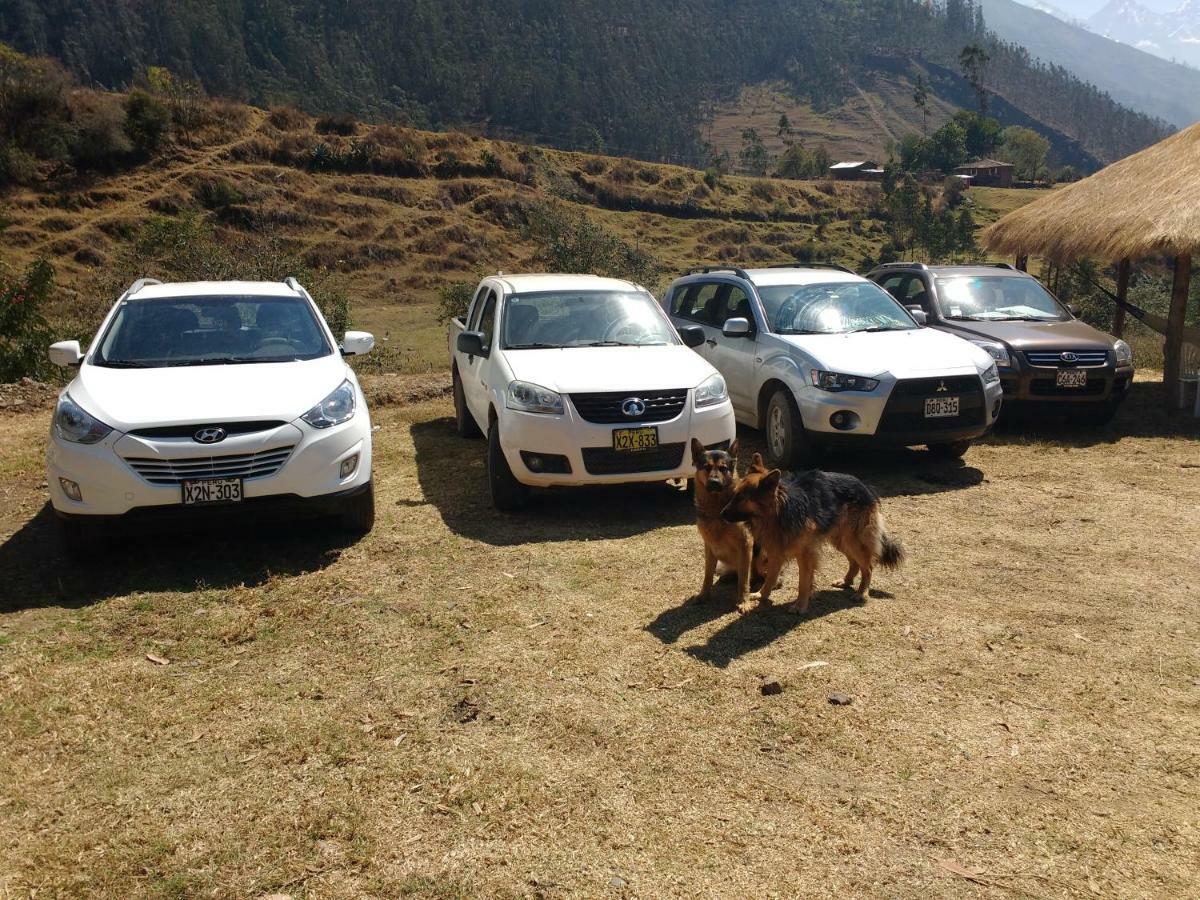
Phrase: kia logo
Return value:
(209, 436)
(1068, 356)
(633, 407)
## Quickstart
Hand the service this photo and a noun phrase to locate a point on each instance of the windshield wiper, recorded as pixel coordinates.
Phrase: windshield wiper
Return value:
(534, 346)
(802, 331)
(608, 344)
(875, 328)
(124, 364)
(233, 360)
(970, 318)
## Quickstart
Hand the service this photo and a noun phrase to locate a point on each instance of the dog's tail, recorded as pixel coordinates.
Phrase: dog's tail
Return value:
(890, 551)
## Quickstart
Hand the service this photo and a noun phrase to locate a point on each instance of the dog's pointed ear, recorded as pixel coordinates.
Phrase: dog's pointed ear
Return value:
(733, 449)
(697, 454)
(771, 480)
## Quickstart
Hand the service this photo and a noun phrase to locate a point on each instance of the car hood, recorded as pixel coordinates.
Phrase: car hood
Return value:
(905, 354)
(1074, 334)
(178, 395)
(582, 369)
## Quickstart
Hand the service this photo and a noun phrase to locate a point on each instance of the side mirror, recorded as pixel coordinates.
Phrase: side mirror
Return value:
(66, 353)
(736, 328)
(1073, 310)
(919, 314)
(471, 343)
(691, 335)
(357, 343)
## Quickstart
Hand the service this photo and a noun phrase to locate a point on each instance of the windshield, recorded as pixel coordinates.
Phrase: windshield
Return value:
(195, 331)
(556, 319)
(998, 298)
(834, 308)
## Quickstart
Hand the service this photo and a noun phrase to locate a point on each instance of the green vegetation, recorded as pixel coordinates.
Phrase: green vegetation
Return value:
(24, 334)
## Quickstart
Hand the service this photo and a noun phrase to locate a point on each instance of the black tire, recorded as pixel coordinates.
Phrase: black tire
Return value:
(357, 515)
(464, 422)
(950, 449)
(76, 539)
(787, 446)
(508, 494)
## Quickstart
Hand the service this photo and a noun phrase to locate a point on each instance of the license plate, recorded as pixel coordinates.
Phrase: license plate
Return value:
(941, 407)
(1072, 378)
(212, 490)
(631, 440)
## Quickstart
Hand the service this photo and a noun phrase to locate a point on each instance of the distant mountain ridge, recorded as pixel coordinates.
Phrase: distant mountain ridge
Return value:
(1133, 77)
(1170, 35)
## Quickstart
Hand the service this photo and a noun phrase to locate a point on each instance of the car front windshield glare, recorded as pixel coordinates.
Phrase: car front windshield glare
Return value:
(832, 308)
(557, 319)
(192, 331)
(997, 298)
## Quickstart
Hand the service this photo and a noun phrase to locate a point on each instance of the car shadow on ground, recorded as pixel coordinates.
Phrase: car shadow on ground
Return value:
(36, 573)
(745, 632)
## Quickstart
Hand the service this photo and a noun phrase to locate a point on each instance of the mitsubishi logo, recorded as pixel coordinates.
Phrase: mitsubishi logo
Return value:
(633, 407)
(209, 436)
(1068, 356)
(941, 388)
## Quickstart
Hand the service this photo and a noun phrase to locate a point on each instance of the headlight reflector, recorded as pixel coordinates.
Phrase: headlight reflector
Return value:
(712, 390)
(998, 352)
(990, 375)
(75, 424)
(836, 382)
(335, 409)
(533, 398)
(1124, 353)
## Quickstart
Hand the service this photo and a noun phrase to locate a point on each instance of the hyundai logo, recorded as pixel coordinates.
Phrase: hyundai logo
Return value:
(633, 407)
(1068, 356)
(209, 436)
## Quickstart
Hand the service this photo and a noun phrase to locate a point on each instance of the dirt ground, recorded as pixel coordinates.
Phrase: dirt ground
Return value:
(467, 704)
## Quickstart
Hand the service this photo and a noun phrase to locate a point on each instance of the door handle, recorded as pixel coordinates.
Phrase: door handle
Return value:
(711, 342)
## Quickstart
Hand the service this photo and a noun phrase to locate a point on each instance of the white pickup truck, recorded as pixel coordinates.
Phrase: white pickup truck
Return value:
(577, 380)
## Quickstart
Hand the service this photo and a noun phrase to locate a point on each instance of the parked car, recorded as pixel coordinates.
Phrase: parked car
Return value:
(210, 394)
(580, 380)
(816, 356)
(1045, 355)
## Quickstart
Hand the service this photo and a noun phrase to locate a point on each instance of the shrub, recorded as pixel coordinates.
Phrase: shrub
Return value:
(287, 118)
(453, 299)
(147, 122)
(343, 124)
(24, 335)
(218, 193)
(99, 141)
(569, 242)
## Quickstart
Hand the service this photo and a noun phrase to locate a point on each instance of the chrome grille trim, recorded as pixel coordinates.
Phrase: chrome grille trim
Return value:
(1053, 358)
(236, 465)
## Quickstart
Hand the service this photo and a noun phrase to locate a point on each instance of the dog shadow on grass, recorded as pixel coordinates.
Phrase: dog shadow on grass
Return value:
(35, 572)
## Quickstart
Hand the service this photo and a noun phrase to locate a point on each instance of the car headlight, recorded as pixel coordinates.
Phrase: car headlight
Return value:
(712, 390)
(75, 424)
(1124, 353)
(836, 381)
(997, 352)
(991, 375)
(335, 409)
(533, 398)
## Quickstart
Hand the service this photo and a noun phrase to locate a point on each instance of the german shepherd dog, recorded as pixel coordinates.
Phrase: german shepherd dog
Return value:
(725, 542)
(792, 515)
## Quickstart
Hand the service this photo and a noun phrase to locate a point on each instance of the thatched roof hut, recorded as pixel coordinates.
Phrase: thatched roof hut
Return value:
(1147, 204)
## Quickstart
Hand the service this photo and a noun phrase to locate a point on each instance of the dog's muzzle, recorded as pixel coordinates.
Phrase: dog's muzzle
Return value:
(714, 485)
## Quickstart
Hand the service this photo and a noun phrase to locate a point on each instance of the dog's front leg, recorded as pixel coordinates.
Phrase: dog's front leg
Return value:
(745, 568)
(807, 563)
(770, 579)
(710, 568)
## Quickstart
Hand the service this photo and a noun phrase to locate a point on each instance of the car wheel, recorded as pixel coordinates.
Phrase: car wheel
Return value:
(464, 422)
(950, 449)
(786, 444)
(508, 494)
(357, 515)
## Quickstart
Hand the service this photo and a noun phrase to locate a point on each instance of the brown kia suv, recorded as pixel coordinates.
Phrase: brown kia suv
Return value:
(1045, 355)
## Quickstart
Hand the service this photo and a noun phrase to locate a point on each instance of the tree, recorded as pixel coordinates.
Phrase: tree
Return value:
(754, 156)
(1026, 150)
(784, 130)
(973, 61)
(947, 149)
(921, 98)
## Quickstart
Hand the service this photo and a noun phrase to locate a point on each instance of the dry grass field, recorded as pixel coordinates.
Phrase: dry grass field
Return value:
(465, 704)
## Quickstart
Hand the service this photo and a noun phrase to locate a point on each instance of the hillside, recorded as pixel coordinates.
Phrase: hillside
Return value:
(1135, 78)
(633, 78)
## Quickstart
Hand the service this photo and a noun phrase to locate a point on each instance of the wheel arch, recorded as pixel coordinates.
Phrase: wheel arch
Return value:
(768, 389)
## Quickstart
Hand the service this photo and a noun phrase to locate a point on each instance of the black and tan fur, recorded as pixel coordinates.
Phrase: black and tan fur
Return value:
(724, 542)
(793, 515)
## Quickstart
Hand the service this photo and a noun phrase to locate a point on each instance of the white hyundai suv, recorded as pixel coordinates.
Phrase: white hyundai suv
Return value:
(205, 395)
(815, 356)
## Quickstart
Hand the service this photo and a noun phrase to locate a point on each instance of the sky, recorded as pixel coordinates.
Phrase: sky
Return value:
(1084, 8)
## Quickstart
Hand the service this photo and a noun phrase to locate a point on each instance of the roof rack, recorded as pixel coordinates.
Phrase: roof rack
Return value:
(705, 270)
(903, 265)
(1000, 266)
(813, 265)
(291, 282)
(139, 284)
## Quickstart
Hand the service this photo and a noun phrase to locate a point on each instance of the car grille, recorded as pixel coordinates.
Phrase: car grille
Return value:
(606, 461)
(605, 408)
(187, 431)
(905, 410)
(1048, 387)
(238, 465)
(1084, 358)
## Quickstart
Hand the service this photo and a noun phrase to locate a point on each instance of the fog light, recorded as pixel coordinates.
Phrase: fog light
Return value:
(71, 489)
(546, 463)
(844, 420)
(349, 464)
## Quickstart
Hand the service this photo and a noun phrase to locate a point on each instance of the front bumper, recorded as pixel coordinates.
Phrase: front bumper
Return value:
(111, 486)
(587, 446)
(1026, 384)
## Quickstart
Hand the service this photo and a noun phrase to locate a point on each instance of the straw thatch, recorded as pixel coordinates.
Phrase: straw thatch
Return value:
(1147, 204)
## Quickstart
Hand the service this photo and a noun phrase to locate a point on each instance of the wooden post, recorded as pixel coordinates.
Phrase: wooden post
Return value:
(1023, 263)
(1118, 322)
(1173, 350)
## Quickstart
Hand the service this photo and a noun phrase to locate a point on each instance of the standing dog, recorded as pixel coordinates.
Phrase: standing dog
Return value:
(724, 541)
(792, 515)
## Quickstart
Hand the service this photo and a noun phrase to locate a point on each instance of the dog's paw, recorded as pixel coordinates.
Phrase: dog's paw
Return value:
(799, 606)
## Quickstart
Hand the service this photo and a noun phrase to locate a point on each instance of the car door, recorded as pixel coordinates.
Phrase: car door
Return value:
(736, 358)
(475, 386)
(693, 304)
